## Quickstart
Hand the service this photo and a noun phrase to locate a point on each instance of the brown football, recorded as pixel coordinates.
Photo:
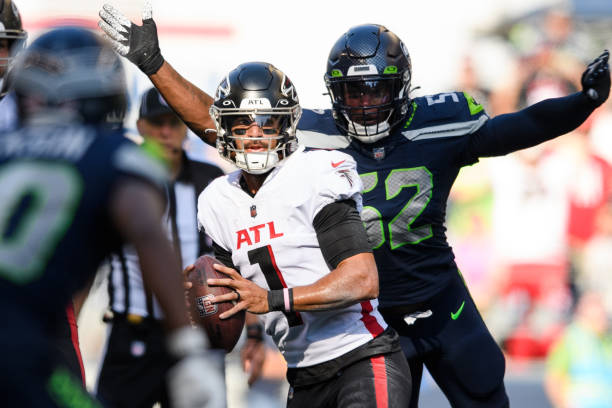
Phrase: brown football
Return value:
(223, 334)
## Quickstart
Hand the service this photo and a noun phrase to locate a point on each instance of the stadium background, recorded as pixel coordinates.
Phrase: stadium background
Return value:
(486, 48)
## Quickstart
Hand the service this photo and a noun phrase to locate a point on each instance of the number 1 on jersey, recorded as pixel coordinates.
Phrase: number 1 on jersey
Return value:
(264, 257)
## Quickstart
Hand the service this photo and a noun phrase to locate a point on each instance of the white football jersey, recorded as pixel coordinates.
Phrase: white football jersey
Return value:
(274, 244)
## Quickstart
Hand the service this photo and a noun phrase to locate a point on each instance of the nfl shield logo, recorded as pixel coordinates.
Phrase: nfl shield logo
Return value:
(379, 153)
(204, 305)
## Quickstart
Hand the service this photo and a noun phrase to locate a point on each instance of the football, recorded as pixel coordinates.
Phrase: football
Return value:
(223, 334)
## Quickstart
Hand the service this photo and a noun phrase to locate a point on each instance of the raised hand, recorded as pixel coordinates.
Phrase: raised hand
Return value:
(139, 44)
(596, 79)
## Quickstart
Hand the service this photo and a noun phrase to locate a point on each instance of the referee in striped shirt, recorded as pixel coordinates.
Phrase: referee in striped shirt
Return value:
(135, 359)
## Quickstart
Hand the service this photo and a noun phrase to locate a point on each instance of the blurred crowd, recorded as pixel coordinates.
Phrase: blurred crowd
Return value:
(532, 231)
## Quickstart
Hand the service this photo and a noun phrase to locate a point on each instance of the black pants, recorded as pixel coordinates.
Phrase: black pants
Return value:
(134, 368)
(451, 339)
(374, 375)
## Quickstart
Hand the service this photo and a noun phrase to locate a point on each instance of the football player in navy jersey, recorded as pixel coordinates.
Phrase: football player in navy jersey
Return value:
(408, 153)
(71, 190)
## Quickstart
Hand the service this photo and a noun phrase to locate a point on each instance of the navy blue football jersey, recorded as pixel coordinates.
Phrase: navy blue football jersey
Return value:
(407, 178)
(55, 185)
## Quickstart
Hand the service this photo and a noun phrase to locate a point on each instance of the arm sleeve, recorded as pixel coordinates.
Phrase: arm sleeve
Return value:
(223, 256)
(533, 125)
(340, 232)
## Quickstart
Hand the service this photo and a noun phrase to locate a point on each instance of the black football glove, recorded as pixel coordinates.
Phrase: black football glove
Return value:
(139, 44)
(596, 79)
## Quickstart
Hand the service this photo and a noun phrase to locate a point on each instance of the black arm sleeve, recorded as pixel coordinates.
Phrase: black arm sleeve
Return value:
(340, 232)
(533, 125)
(223, 256)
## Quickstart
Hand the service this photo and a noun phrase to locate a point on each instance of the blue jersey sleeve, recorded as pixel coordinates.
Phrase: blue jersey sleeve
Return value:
(533, 125)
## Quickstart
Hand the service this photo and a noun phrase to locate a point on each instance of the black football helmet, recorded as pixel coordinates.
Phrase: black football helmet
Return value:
(70, 70)
(368, 78)
(11, 30)
(256, 93)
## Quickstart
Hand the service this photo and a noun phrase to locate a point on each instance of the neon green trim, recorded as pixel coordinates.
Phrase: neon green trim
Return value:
(369, 183)
(391, 69)
(336, 73)
(401, 216)
(409, 121)
(455, 315)
(154, 150)
(474, 106)
(67, 392)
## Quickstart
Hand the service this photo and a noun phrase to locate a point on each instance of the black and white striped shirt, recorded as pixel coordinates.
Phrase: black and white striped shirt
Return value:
(127, 293)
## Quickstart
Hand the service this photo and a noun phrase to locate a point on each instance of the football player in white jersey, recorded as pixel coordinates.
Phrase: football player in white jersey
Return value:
(288, 221)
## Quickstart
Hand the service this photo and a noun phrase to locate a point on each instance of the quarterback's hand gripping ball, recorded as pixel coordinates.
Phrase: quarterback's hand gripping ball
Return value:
(139, 44)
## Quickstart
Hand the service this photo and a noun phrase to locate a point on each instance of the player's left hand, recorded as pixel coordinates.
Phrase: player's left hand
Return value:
(139, 44)
(596, 79)
(253, 355)
(247, 295)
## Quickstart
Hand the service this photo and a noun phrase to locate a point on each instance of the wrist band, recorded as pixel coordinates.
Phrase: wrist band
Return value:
(255, 331)
(288, 298)
(280, 300)
(276, 301)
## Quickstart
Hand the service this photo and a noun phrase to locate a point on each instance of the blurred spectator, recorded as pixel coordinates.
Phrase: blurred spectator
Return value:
(529, 231)
(579, 367)
(596, 260)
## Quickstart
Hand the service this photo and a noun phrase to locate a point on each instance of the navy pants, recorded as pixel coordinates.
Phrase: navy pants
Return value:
(448, 336)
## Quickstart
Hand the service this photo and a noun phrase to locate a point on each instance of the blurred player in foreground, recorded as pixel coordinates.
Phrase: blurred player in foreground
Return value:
(71, 190)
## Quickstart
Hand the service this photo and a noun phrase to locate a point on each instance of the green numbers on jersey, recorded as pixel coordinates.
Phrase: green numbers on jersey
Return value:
(37, 204)
(398, 231)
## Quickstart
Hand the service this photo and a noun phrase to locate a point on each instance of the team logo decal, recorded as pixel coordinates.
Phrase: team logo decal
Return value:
(205, 306)
(347, 175)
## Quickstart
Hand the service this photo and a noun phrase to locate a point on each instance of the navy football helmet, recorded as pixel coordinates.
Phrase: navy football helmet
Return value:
(368, 78)
(70, 70)
(256, 93)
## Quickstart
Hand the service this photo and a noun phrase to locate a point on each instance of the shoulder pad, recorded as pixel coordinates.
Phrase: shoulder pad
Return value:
(317, 129)
(443, 115)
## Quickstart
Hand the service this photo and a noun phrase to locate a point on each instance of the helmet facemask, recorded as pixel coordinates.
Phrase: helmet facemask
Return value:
(368, 107)
(256, 151)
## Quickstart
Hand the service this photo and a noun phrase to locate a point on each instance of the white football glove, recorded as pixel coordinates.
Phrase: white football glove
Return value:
(139, 44)
(196, 380)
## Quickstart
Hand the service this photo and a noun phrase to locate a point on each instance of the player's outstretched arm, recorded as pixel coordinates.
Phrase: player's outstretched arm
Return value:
(547, 119)
(140, 45)
(136, 209)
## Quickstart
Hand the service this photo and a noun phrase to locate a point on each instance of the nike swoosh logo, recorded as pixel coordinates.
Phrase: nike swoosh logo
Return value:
(334, 165)
(455, 315)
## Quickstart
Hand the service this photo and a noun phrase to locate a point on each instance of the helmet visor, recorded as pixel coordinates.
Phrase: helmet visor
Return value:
(366, 101)
(270, 125)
